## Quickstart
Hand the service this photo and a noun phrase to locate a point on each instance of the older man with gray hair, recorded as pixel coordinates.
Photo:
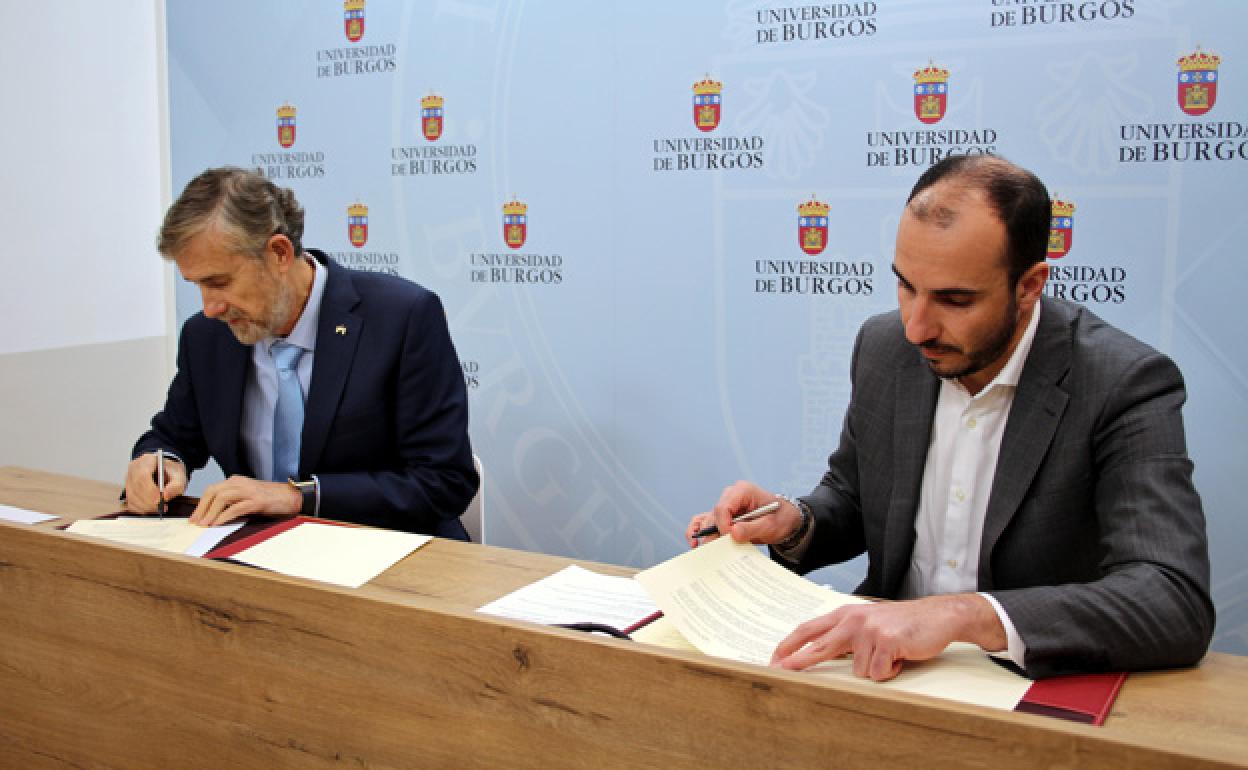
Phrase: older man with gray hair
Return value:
(317, 389)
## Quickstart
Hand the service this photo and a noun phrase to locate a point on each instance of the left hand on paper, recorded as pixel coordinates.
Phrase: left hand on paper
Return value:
(883, 636)
(239, 496)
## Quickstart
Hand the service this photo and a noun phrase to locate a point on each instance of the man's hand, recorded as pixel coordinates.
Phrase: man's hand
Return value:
(239, 495)
(142, 492)
(883, 636)
(740, 498)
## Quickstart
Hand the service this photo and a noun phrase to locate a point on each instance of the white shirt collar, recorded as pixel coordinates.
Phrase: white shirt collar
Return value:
(1012, 372)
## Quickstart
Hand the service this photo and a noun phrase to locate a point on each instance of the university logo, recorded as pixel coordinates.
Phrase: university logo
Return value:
(1061, 228)
(431, 117)
(353, 19)
(286, 125)
(706, 104)
(357, 224)
(812, 226)
(931, 93)
(1198, 82)
(515, 223)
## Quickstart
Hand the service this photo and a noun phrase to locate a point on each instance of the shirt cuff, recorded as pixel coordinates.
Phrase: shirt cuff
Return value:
(1015, 650)
(316, 512)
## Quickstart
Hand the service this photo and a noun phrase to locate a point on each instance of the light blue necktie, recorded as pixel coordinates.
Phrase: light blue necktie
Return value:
(288, 412)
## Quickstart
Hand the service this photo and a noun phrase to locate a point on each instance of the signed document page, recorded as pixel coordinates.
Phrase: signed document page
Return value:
(728, 599)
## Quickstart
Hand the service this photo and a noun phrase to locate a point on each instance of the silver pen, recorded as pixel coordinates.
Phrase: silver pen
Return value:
(757, 513)
(160, 481)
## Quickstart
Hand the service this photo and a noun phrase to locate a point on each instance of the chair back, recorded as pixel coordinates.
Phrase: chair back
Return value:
(474, 515)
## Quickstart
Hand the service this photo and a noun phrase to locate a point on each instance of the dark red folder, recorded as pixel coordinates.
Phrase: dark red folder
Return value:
(1084, 698)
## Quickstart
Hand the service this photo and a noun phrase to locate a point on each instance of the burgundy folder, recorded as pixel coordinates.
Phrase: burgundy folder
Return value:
(1084, 698)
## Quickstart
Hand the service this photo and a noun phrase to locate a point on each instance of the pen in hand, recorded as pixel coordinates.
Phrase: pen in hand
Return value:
(757, 513)
(160, 481)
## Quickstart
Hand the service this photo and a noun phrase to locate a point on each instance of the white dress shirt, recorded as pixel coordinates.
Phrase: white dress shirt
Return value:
(260, 391)
(957, 480)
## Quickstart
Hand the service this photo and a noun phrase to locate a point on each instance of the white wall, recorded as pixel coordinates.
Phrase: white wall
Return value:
(85, 300)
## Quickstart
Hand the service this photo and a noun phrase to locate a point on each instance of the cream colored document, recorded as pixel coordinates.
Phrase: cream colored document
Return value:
(345, 556)
(662, 632)
(730, 600)
(172, 535)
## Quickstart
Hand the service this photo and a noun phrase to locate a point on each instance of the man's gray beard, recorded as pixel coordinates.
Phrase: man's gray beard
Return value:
(279, 312)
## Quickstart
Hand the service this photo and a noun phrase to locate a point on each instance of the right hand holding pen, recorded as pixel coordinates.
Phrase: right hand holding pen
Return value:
(737, 499)
(142, 493)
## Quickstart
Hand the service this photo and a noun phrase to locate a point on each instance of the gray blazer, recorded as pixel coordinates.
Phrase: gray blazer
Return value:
(1094, 539)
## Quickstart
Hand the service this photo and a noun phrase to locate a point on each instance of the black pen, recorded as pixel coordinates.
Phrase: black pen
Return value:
(757, 513)
(160, 481)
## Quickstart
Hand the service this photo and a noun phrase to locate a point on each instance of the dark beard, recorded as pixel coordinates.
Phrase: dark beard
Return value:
(984, 356)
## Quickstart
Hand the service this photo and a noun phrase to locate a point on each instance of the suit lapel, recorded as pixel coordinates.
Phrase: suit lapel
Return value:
(1037, 411)
(337, 335)
(230, 381)
(915, 405)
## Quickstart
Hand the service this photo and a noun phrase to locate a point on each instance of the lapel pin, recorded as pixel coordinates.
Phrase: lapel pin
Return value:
(340, 329)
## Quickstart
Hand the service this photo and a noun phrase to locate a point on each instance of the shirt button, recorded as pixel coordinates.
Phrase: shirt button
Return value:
(970, 423)
(959, 495)
(953, 563)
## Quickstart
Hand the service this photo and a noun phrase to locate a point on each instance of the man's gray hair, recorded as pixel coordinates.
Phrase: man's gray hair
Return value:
(244, 206)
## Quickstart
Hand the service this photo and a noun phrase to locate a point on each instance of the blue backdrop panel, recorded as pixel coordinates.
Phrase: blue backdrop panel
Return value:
(656, 227)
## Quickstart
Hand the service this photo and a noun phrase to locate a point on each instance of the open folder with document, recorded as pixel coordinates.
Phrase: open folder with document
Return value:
(729, 600)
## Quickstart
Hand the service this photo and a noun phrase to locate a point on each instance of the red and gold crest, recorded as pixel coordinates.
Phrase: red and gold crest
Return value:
(931, 93)
(706, 104)
(1198, 82)
(1061, 229)
(353, 19)
(515, 223)
(286, 125)
(431, 117)
(812, 226)
(357, 224)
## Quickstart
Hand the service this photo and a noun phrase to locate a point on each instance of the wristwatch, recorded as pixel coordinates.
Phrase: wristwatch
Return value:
(311, 492)
(808, 518)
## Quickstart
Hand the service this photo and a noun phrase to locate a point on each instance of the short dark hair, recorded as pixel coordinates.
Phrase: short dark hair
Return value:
(247, 207)
(1019, 198)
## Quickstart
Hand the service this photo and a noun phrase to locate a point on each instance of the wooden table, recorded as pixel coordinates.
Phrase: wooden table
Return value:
(116, 657)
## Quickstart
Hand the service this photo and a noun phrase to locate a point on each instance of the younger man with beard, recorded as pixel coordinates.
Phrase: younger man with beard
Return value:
(1014, 467)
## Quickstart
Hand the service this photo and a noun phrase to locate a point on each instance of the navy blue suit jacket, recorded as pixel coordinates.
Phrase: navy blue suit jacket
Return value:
(386, 420)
